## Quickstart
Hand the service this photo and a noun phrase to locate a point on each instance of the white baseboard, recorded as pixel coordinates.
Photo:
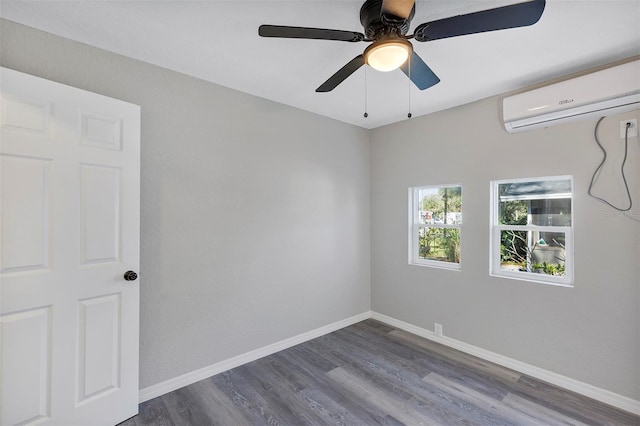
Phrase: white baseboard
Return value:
(568, 383)
(211, 370)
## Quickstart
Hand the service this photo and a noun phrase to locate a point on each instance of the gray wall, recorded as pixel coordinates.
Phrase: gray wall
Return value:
(590, 332)
(255, 216)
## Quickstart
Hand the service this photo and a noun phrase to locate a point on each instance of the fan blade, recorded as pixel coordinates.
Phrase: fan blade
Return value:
(309, 33)
(399, 8)
(501, 18)
(419, 72)
(342, 74)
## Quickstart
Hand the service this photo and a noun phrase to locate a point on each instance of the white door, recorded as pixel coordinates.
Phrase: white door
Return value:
(70, 213)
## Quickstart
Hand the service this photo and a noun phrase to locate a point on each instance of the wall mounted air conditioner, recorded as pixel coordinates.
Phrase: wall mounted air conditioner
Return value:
(609, 91)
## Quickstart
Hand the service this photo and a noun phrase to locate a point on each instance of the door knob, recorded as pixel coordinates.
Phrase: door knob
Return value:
(130, 276)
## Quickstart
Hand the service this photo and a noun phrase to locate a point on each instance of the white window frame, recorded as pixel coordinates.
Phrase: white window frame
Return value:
(496, 229)
(414, 225)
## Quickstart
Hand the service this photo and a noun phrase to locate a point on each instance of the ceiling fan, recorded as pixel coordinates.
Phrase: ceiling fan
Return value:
(386, 23)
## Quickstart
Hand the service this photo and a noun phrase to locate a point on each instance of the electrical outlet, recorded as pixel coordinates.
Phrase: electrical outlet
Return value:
(633, 130)
(437, 329)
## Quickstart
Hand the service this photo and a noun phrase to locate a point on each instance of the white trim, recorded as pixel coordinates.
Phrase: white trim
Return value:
(602, 395)
(170, 385)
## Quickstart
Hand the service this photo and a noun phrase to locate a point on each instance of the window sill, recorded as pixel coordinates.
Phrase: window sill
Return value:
(436, 264)
(533, 278)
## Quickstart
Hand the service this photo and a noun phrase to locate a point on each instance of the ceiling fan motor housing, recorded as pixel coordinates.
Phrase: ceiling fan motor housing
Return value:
(376, 25)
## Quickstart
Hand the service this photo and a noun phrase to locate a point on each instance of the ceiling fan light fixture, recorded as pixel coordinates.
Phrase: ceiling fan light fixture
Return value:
(388, 55)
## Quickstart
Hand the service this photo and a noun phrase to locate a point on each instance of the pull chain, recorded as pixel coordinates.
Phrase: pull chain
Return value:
(409, 114)
(366, 114)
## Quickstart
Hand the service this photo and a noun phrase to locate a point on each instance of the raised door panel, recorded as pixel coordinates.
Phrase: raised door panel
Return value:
(26, 216)
(99, 346)
(26, 125)
(101, 131)
(26, 115)
(26, 359)
(100, 203)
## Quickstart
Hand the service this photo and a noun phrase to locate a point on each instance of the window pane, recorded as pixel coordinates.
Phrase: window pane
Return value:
(513, 212)
(542, 203)
(440, 205)
(533, 251)
(439, 244)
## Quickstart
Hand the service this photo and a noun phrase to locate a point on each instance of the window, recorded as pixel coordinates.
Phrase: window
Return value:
(435, 221)
(532, 229)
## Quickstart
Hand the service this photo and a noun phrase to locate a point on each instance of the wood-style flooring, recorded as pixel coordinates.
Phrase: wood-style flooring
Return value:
(374, 374)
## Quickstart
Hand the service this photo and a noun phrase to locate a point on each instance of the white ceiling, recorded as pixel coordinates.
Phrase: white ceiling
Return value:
(218, 41)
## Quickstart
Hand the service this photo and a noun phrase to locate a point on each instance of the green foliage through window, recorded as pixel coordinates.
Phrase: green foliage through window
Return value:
(440, 244)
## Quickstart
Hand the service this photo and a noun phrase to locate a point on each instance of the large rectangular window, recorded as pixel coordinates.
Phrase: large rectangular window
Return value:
(435, 222)
(532, 229)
